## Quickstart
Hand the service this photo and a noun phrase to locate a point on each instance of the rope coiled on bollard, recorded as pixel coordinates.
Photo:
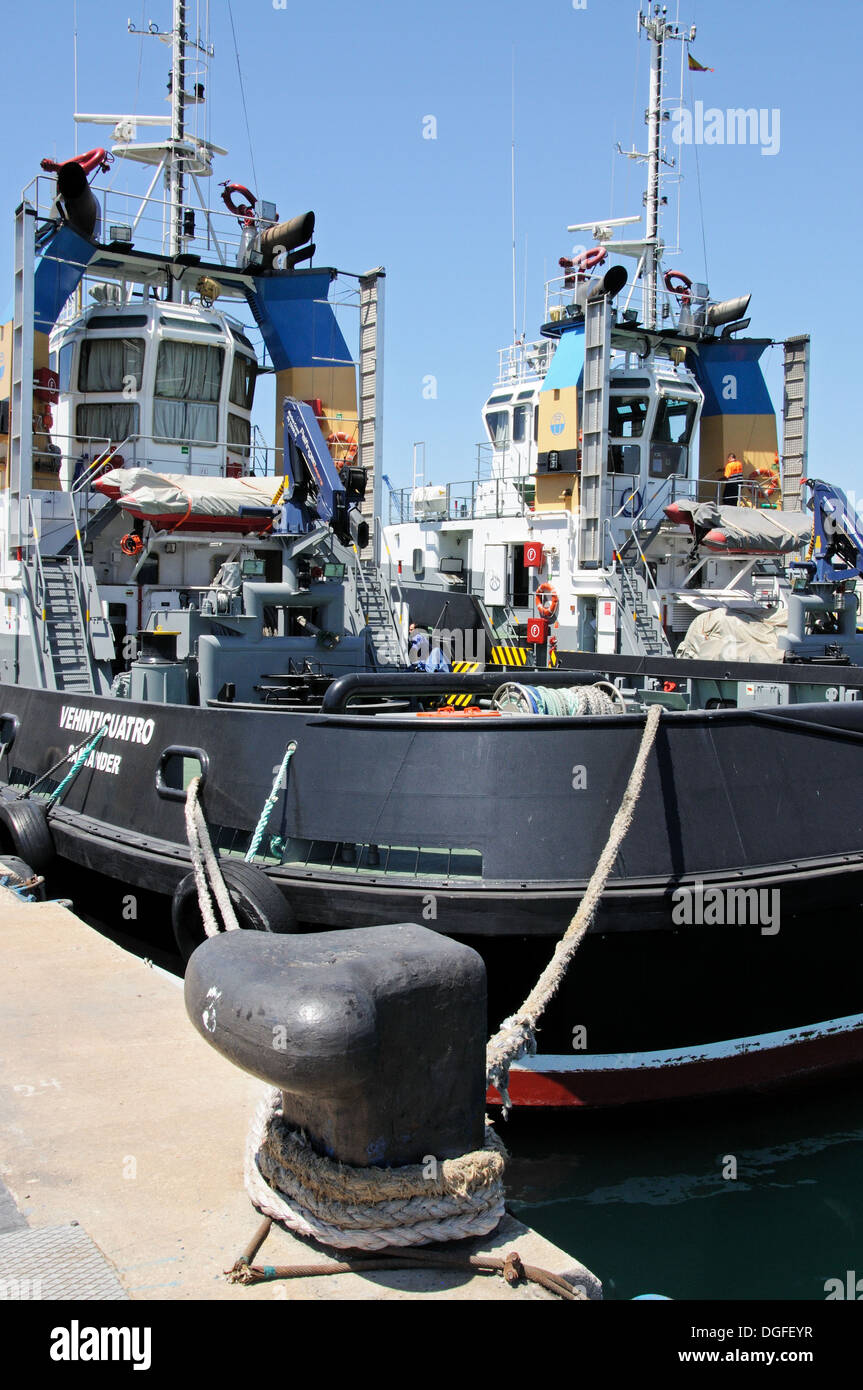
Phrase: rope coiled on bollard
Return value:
(369, 1208)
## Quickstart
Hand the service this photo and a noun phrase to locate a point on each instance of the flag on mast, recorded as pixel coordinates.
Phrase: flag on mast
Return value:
(695, 66)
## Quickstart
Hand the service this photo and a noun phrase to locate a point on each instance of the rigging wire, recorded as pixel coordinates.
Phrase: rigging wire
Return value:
(75, 68)
(700, 197)
(243, 94)
(512, 202)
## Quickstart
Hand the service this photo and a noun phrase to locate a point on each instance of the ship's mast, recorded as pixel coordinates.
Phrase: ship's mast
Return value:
(174, 173)
(658, 30)
(179, 160)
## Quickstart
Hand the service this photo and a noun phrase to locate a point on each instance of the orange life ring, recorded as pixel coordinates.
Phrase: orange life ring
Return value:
(241, 211)
(589, 260)
(341, 438)
(131, 544)
(546, 608)
(770, 486)
(671, 277)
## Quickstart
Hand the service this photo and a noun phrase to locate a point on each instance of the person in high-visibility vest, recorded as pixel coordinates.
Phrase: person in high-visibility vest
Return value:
(733, 470)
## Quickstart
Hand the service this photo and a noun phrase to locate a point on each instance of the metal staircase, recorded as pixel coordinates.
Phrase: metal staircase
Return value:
(380, 617)
(641, 630)
(65, 648)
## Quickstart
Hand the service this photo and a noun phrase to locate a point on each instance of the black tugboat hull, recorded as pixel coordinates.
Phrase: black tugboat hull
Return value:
(502, 822)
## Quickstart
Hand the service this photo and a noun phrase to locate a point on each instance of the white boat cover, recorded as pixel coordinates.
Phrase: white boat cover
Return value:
(745, 530)
(147, 494)
(722, 636)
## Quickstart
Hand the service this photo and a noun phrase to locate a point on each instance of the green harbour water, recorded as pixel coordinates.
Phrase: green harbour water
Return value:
(640, 1198)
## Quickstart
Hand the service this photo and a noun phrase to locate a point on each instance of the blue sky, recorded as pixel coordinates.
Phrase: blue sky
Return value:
(337, 94)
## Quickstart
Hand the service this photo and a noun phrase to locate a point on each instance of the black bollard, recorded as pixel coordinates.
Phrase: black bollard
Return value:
(375, 1036)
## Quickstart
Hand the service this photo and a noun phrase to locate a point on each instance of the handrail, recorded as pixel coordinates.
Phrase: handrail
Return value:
(401, 639)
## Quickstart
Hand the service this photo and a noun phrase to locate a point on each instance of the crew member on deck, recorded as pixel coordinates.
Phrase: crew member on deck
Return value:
(733, 470)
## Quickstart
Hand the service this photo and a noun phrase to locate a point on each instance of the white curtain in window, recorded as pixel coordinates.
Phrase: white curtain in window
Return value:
(242, 381)
(185, 422)
(107, 364)
(113, 422)
(239, 434)
(189, 371)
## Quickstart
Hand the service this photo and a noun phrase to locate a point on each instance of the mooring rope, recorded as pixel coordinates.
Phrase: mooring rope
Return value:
(374, 1208)
(208, 875)
(369, 1208)
(516, 1036)
(75, 768)
(270, 802)
(600, 698)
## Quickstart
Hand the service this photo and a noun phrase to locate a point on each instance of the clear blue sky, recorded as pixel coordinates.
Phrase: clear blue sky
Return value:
(337, 93)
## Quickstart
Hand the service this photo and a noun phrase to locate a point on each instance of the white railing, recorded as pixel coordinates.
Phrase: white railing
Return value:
(522, 362)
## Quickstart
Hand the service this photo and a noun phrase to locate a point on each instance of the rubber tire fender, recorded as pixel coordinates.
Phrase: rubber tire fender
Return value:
(256, 899)
(24, 831)
(12, 864)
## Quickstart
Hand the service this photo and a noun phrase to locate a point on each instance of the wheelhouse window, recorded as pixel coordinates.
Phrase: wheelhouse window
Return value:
(520, 417)
(674, 420)
(627, 416)
(188, 385)
(497, 424)
(113, 421)
(243, 373)
(239, 435)
(111, 364)
(64, 367)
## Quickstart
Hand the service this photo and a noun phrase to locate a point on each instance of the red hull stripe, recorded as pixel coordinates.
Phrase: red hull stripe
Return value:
(677, 1074)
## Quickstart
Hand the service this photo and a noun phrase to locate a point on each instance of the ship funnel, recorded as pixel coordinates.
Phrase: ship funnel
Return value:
(82, 208)
(727, 310)
(286, 236)
(611, 283)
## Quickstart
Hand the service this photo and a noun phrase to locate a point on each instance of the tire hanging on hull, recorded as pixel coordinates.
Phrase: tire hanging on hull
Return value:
(24, 831)
(257, 901)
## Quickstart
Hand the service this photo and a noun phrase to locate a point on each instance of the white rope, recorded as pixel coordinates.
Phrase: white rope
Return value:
(369, 1208)
(516, 1036)
(376, 1208)
(208, 875)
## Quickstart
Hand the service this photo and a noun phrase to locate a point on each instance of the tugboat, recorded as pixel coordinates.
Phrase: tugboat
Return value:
(641, 510)
(188, 614)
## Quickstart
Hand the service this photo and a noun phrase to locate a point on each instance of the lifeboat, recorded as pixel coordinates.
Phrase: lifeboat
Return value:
(186, 502)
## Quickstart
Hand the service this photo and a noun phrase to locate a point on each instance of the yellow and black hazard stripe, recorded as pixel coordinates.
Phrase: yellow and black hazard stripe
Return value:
(509, 656)
(516, 656)
(462, 700)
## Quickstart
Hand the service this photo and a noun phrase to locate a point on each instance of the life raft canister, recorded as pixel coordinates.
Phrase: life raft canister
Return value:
(546, 607)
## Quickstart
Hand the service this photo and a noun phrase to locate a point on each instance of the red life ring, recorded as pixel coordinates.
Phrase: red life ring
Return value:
(244, 211)
(671, 277)
(131, 544)
(589, 260)
(546, 609)
(341, 438)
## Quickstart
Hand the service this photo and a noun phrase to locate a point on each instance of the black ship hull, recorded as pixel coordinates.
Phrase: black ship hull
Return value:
(488, 829)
